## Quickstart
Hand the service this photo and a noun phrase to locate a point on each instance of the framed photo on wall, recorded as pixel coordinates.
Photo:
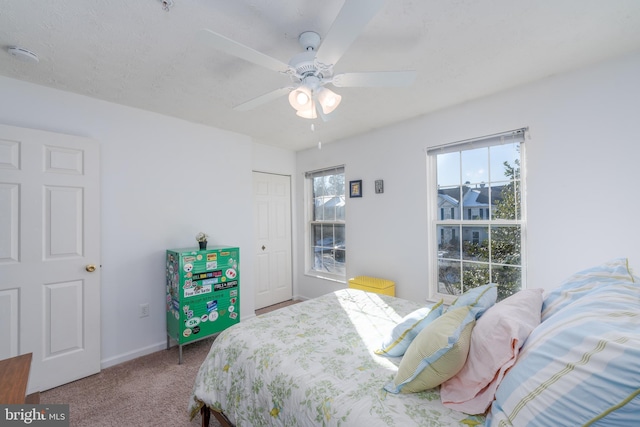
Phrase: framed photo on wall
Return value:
(355, 188)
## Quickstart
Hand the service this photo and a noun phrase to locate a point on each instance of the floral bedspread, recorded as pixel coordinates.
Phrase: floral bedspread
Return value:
(313, 364)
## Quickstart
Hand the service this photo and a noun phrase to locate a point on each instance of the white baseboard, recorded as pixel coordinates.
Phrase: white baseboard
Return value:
(247, 317)
(116, 360)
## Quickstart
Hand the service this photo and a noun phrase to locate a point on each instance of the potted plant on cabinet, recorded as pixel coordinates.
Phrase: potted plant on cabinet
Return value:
(202, 240)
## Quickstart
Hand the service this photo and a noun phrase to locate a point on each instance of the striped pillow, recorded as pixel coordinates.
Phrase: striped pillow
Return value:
(581, 366)
(583, 282)
(436, 354)
(441, 349)
(480, 299)
(409, 327)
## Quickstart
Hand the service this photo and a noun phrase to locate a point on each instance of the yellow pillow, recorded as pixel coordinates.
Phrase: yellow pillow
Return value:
(438, 352)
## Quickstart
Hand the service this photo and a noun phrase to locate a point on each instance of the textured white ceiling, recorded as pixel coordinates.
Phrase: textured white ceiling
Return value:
(136, 54)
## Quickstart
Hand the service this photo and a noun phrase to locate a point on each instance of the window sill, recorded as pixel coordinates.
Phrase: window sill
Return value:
(331, 278)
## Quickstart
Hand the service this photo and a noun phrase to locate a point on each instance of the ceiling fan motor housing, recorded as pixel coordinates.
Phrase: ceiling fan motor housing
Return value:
(304, 63)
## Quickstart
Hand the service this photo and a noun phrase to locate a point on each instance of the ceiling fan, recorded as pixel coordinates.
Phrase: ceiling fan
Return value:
(312, 69)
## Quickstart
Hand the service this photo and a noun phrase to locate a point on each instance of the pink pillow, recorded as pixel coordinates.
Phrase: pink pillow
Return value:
(495, 343)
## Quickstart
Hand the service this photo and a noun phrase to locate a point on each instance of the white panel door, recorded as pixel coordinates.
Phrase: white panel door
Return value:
(50, 254)
(272, 203)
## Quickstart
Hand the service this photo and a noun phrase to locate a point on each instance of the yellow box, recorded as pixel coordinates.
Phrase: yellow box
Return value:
(373, 284)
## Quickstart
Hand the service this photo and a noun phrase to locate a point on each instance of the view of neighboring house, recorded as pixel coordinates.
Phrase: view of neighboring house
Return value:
(478, 202)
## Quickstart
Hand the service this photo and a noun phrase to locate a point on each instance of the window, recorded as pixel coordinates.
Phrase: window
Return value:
(483, 178)
(326, 214)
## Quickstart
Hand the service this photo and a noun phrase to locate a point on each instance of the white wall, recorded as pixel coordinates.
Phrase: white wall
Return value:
(163, 180)
(581, 178)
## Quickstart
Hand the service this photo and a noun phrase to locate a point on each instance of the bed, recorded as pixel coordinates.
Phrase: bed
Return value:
(313, 363)
(317, 363)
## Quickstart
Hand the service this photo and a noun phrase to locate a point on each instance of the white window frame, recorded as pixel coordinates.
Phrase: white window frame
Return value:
(433, 211)
(310, 222)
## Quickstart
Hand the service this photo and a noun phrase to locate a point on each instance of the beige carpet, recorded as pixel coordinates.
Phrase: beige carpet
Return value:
(149, 391)
(276, 306)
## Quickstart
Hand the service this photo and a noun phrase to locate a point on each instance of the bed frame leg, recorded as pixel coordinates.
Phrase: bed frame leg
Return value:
(205, 412)
(206, 415)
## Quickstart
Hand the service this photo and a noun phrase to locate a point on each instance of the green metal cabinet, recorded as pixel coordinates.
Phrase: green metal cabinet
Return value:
(203, 293)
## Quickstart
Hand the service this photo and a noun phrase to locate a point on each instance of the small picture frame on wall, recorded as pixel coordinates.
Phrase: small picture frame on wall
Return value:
(355, 188)
(379, 186)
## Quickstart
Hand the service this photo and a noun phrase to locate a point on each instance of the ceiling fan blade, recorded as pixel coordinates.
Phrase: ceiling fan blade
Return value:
(351, 20)
(375, 79)
(263, 99)
(225, 44)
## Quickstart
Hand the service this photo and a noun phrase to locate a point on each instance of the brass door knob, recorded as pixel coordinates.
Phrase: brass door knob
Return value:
(90, 268)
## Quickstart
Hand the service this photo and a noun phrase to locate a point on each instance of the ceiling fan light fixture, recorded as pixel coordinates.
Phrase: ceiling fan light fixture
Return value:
(300, 98)
(328, 99)
(308, 113)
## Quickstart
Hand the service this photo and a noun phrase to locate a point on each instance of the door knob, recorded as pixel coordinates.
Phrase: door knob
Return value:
(264, 247)
(90, 268)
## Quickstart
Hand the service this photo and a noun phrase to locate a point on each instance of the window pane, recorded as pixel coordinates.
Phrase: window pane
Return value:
(339, 207)
(505, 245)
(504, 158)
(318, 209)
(449, 200)
(339, 241)
(448, 169)
(474, 275)
(330, 261)
(449, 277)
(329, 248)
(475, 243)
(508, 278)
(329, 208)
(316, 230)
(507, 201)
(448, 241)
(318, 186)
(476, 201)
(475, 166)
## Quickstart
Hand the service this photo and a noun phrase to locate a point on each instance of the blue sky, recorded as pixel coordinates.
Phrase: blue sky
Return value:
(478, 165)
